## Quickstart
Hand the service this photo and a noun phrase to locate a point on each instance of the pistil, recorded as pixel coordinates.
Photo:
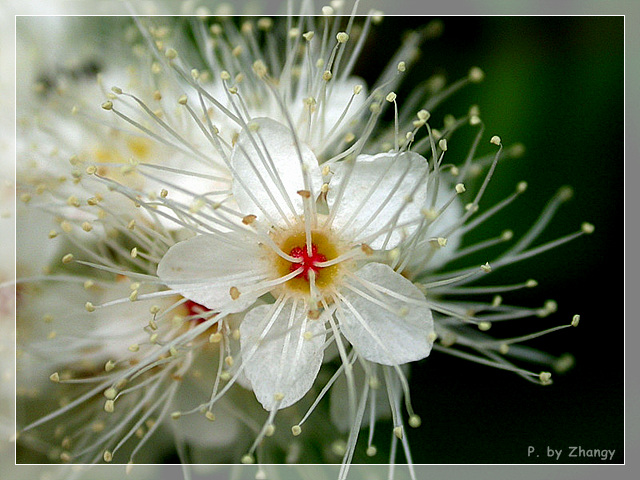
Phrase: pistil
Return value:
(309, 261)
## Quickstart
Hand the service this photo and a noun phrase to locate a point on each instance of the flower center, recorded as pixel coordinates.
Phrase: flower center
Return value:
(309, 262)
(194, 308)
(324, 247)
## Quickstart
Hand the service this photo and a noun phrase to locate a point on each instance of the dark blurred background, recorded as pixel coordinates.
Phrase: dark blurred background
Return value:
(554, 84)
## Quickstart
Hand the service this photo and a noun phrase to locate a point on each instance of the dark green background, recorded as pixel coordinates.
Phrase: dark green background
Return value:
(556, 85)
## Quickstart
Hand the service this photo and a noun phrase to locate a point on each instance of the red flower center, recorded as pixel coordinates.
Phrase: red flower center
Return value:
(195, 309)
(308, 261)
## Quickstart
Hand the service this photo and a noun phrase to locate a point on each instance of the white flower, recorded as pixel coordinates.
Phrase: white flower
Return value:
(232, 220)
(316, 265)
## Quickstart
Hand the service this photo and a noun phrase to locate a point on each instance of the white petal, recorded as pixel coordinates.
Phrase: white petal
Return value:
(280, 360)
(424, 257)
(331, 111)
(340, 94)
(205, 268)
(383, 328)
(268, 171)
(375, 197)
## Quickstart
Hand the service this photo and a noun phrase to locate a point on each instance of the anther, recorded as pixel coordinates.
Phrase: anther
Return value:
(521, 187)
(54, 377)
(476, 75)
(342, 37)
(545, 378)
(496, 140)
(296, 430)
(110, 393)
(415, 421)
(575, 320)
(507, 235)
(265, 23)
(460, 188)
(587, 228)
(109, 406)
(339, 447)
(424, 115)
(249, 219)
(565, 193)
